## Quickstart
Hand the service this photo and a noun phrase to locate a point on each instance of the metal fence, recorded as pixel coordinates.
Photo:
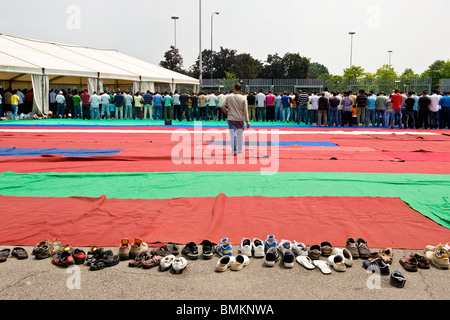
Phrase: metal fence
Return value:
(444, 85)
(310, 85)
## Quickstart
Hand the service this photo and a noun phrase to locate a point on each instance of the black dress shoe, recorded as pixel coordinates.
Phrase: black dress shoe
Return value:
(377, 266)
(397, 279)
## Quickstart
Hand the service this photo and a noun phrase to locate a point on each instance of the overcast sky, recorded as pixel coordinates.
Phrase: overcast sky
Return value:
(415, 30)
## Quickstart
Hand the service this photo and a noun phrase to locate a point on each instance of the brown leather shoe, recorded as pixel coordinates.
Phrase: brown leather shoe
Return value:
(363, 249)
(409, 263)
(326, 248)
(151, 262)
(422, 262)
(352, 247)
(137, 261)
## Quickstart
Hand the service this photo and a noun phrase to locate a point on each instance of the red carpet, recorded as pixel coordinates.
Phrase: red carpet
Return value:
(382, 222)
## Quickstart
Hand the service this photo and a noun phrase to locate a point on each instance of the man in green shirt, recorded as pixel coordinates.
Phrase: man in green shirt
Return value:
(76, 105)
(167, 106)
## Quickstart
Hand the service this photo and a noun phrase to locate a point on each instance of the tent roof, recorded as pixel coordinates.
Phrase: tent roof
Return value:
(19, 55)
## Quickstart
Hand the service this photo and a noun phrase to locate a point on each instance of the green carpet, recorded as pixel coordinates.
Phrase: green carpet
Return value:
(426, 193)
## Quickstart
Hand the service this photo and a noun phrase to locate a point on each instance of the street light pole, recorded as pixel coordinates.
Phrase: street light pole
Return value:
(174, 18)
(390, 51)
(211, 62)
(200, 40)
(351, 47)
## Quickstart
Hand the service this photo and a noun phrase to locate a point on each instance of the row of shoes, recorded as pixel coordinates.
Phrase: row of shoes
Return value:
(17, 252)
(97, 258)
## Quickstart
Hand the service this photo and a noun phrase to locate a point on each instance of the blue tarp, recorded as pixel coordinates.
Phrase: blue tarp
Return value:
(35, 152)
(282, 143)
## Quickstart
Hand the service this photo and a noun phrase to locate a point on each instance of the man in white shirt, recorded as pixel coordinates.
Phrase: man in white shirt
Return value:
(434, 109)
(95, 106)
(105, 105)
(60, 101)
(176, 106)
(220, 99)
(314, 100)
(235, 107)
(260, 106)
(211, 106)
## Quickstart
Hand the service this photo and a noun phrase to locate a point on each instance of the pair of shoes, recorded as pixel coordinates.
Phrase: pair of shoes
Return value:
(315, 250)
(285, 248)
(385, 254)
(18, 252)
(224, 248)
(234, 263)
(131, 251)
(377, 266)
(172, 248)
(346, 254)
(299, 248)
(397, 279)
(253, 247)
(46, 249)
(358, 248)
(148, 260)
(439, 256)
(413, 262)
(100, 258)
(69, 256)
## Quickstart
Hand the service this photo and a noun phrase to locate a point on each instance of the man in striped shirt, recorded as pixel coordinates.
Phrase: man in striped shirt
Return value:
(302, 107)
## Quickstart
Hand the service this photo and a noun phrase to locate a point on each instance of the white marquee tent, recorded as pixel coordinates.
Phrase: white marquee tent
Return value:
(39, 64)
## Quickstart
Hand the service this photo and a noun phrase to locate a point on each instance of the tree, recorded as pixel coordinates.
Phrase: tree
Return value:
(315, 70)
(295, 66)
(272, 68)
(434, 72)
(173, 60)
(409, 73)
(445, 70)
(354, 72)
(245, 66)
(386, 72)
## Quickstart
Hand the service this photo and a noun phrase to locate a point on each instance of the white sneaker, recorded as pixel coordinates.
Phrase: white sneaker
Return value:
(224, 263)
(345, 253)
(337, 262)
(179, 264)
(246, 247)
(224, 248)
(240, 261)
(299, 248)
(167, 262)
(258, 248)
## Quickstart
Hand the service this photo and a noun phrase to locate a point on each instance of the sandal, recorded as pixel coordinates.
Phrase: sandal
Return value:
(4, 254)
(19, 253)
(323, 266)
(306, 262)
(151, 262)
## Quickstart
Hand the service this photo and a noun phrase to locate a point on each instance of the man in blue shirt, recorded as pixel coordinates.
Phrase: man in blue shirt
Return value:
(157, 105)
(370, 109)
(444, 102)
(148, 107)
(118, 100)
(286, 107)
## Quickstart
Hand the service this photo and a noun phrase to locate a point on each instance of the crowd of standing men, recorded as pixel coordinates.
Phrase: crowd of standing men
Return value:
(397, 109)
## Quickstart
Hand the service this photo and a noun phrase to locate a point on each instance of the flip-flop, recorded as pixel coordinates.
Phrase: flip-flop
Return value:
(323, 266)
(4, 254)
(19, 253)
(306, 262)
